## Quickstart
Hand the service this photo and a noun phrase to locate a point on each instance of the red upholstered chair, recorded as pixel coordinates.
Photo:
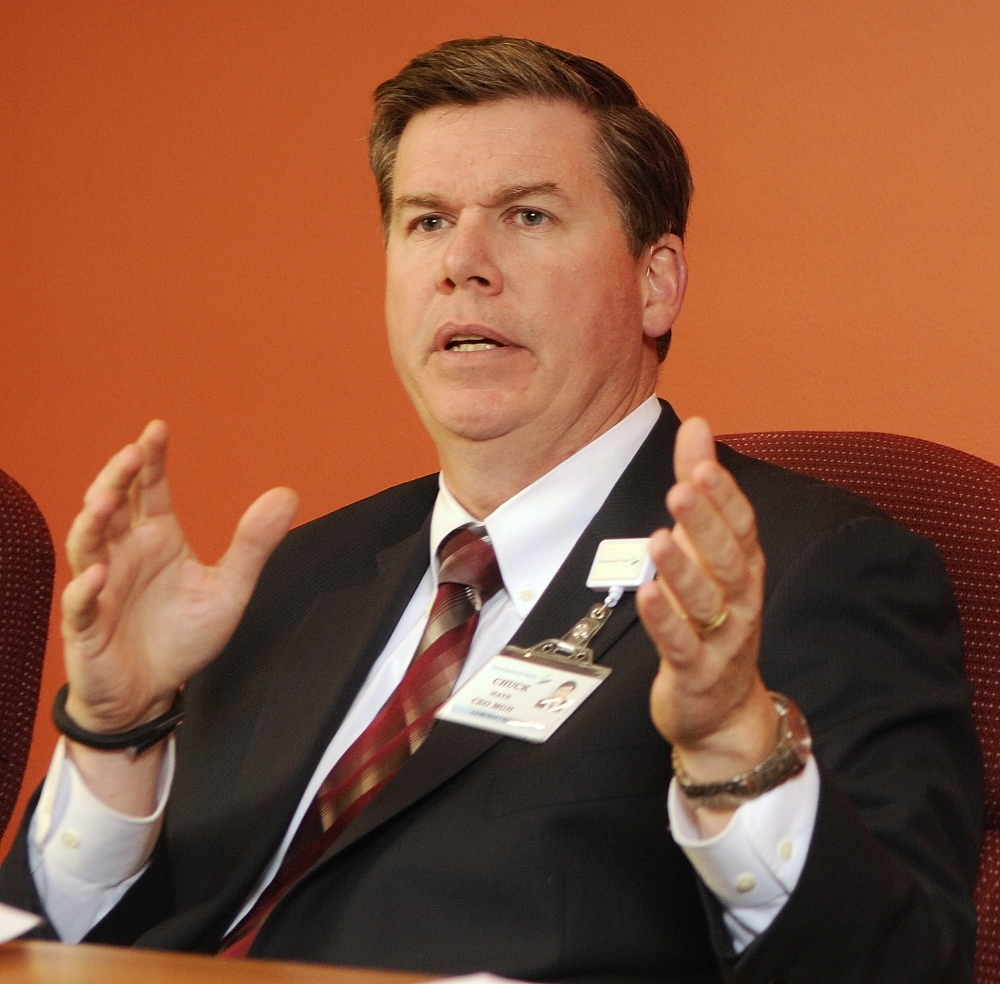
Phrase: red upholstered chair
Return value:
(27, 568)
(953, 499)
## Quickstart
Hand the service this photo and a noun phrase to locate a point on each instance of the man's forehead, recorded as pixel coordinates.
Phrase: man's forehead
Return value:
(503, 147)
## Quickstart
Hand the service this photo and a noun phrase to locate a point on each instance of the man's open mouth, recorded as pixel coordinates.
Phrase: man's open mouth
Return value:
(472, 343)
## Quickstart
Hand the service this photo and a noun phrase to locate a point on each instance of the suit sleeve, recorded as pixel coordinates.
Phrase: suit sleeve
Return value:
(861, 629)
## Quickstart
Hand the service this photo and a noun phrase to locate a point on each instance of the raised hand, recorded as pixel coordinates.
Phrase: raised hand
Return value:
(141, 614)
(703, 613)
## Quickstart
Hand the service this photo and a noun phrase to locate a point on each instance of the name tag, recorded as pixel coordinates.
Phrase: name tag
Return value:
(528, 693)
(522, 694)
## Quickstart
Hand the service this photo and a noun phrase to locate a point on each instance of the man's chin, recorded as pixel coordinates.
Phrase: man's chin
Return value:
(477, 420)
(477, 431)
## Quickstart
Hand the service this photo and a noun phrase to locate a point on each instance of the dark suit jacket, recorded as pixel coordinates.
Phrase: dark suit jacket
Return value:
(554, 861)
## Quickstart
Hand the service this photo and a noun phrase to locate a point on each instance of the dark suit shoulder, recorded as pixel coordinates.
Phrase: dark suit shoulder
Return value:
(335, 548)
(328, 554)
(780, 494)
(794, 510)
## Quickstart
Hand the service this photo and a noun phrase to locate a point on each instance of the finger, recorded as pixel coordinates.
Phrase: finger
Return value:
(694, 444)
(93, 528)
(697, 596)
(259, 531)
(672, 634)
(118, 474)
(707, 539)
(79, 599)
(106, 509)
(730, 502)
(151, 490)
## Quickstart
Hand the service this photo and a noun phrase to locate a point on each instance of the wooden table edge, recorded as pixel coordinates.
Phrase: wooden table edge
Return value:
(31, 961)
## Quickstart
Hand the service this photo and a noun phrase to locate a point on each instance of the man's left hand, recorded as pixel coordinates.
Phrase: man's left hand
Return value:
(703, 613)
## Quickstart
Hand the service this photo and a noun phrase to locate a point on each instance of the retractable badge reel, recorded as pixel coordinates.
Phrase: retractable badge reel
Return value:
(529, 693)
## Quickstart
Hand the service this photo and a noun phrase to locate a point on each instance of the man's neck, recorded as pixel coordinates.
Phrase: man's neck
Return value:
(482, 475)
(482, 478)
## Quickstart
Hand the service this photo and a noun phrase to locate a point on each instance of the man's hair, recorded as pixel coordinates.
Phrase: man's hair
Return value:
(638, 155)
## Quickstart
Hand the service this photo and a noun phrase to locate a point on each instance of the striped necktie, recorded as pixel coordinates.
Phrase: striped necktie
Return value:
(468, 577)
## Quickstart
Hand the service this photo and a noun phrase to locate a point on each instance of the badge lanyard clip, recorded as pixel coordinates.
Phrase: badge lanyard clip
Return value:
(573, 646)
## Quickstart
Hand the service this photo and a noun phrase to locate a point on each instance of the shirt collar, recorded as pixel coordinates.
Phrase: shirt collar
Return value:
(534, 531)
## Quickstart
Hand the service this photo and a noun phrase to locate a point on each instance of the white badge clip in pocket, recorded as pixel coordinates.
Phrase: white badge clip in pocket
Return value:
(528, 693)
(621, 564)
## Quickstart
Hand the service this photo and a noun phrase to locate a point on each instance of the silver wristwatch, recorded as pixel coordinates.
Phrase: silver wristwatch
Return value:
(788, 758)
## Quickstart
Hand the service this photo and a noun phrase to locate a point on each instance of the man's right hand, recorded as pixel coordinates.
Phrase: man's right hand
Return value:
(141, 614)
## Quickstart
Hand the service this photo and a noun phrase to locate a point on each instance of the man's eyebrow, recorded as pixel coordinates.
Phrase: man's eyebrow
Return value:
(430, 202)
(503, 196)
(511, 193)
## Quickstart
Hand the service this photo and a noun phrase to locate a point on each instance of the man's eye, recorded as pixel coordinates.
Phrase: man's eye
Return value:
(531, 216)
(429, 223)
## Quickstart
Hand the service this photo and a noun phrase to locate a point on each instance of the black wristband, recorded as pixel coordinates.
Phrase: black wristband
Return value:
(136, 740)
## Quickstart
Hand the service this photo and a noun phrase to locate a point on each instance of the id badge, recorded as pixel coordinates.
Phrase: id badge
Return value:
(523, 694)
(529, 693)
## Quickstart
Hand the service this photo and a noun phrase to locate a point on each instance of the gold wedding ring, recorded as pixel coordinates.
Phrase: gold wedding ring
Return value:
(704, 628)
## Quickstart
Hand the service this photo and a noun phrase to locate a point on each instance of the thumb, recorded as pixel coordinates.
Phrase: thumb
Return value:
(694, 445)
(258, 532)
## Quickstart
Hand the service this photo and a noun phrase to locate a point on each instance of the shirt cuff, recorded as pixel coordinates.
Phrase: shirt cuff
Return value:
(754, 864)
(77, 833)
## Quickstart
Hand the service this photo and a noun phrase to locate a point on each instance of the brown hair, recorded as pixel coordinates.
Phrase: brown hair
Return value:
(639, 156)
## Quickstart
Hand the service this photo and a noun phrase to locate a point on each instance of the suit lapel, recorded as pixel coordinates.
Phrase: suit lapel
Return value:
(334, 649)
(635, 507)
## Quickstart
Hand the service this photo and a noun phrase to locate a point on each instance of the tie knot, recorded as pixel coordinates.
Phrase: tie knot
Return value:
(467, 557)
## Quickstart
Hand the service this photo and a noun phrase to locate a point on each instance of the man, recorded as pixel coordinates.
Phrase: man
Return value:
(561, 700)
(533, 215)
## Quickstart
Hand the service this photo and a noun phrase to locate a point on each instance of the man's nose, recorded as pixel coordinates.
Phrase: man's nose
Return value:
(470, 258)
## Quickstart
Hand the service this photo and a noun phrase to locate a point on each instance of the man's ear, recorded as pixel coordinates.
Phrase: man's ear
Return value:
(664, 284)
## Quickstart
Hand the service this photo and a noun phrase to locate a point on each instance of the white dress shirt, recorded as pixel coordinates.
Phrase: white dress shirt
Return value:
(84, 856)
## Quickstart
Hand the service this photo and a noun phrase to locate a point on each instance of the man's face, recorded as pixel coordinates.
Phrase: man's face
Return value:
(513, 303)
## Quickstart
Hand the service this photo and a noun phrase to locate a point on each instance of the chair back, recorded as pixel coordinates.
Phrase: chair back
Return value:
(953, 499)
(27, 569)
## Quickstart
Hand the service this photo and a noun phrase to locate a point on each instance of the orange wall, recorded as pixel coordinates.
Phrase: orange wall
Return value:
(188, 230)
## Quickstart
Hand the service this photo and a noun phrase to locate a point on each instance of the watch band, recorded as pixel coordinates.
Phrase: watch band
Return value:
(135, 740)
(788, 758)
